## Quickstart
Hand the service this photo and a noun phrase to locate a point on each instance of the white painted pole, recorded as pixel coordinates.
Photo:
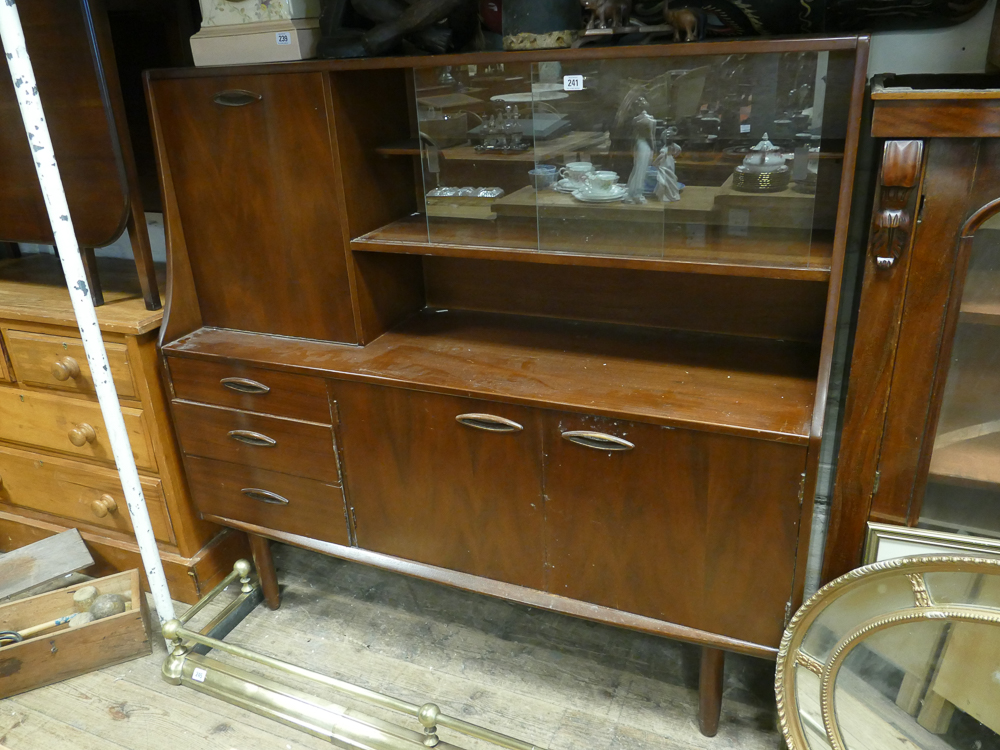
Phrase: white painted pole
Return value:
(83, 304)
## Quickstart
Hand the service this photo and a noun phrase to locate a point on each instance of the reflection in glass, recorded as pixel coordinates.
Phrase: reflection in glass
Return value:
(873, 598)
(719, 159)
(963, 489)
(922, 685)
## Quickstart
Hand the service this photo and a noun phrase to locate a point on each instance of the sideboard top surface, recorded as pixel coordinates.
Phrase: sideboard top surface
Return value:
(756, 388)
(718, 47)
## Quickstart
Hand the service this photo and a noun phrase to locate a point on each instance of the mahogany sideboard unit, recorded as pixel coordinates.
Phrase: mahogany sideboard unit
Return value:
(919, 462)
(397, 332)
(56, 467)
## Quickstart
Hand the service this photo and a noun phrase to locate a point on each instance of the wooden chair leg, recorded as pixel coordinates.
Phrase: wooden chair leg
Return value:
(262, 560)
(138, 234)
(710, 683)
(93, 280)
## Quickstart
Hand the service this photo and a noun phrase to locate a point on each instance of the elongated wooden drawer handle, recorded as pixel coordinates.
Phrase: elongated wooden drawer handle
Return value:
(253, 438)
(236, 98)
(242, 385)
(264, 496)
(82, 434)
(66, 368)
(488, 422)
(103, 505)
(598, 440)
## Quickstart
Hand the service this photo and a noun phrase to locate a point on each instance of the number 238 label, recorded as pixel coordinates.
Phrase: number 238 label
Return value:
(283, 37)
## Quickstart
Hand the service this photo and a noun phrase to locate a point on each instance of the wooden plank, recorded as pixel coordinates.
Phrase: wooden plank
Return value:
(42, 561)
(32, 289)
(696, 205)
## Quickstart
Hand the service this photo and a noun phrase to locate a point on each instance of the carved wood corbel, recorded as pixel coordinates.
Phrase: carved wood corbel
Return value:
(893, 220)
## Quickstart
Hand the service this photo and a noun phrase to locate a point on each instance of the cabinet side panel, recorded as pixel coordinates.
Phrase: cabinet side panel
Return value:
(254, 186)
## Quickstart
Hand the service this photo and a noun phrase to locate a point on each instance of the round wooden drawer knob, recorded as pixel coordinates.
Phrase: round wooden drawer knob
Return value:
(103, 505)
(66, 368)
(82, 434)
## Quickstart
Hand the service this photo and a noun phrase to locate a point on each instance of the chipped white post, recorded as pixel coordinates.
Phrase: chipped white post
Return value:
(83, 304)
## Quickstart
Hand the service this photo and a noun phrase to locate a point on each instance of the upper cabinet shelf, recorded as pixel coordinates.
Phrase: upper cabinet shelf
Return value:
(707, 163)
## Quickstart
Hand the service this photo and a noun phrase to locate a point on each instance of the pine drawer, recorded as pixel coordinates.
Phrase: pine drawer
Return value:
(237, 386)
(268, 499)
(304, 449)
(54, 422)
(80, 492)
(60, 362)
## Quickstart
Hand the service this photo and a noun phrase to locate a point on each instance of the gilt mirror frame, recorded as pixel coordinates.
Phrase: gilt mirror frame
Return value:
(924, 609)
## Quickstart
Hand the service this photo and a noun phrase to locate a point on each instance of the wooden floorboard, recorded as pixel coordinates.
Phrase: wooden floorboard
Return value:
(556, 681)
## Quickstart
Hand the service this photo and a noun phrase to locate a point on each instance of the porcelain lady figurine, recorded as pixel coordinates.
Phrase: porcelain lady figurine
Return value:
(667, 188)
(644, 126)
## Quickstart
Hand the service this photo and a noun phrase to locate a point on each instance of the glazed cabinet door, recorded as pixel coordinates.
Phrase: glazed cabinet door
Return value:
(254, 177)
(451, 482)
(692, 528)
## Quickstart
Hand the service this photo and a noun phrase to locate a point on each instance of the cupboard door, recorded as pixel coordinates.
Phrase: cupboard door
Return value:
(254, 177)
(424, 486)
(688, 527)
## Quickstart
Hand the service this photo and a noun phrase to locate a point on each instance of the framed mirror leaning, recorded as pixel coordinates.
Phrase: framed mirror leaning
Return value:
(902, 653)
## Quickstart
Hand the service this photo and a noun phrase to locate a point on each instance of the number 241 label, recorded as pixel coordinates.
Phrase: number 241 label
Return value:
(283, 37)
(572, 83)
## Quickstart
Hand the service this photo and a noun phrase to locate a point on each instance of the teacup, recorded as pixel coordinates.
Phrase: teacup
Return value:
(576, 171)
(543, 177)
(600, 182)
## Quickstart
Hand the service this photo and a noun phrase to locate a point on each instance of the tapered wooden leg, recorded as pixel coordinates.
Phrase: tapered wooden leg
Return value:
(93, 280)
(710, 682)
(264, 563)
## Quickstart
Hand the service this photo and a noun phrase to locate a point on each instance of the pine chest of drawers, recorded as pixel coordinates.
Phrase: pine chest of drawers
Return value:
(56, 466)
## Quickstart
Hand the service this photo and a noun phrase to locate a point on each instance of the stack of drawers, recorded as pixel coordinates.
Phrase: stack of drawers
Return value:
(56, 466)
(260, 447)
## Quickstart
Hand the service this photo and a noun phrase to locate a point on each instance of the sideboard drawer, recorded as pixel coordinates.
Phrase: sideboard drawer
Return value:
(237, 386)
(83, 493)
(269, 499)
(61, 362)
(68, 425)
(300, 448)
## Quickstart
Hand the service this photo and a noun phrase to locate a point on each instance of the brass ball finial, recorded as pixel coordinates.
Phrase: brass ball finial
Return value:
(428, 715)
(171, 629)
(242, 567)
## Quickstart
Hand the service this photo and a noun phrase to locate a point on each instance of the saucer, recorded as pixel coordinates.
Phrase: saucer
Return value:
(616, 193)
(567, 186)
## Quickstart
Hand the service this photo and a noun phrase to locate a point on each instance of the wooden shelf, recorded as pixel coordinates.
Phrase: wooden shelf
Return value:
(751, 387)
(979, 301)
(774, 256)
(969, 463)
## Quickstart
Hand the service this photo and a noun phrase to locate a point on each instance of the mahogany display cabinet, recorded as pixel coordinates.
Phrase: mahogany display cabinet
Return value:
(919, 462)
(554, 326)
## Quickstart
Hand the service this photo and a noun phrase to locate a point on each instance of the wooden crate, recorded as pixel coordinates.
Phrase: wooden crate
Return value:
(61, 654)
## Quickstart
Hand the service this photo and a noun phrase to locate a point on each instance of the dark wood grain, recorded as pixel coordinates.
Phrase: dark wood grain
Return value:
(948, 181)
(711, 680)
(263, 561)
(872, 362)
(922, 118)
(89, 159)
(666, 529)
(270, 258)
(735, 385)
(510, 592)
(425, 488)
(301, 448)
(692, 302)
(291, 396)
(313, 508)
